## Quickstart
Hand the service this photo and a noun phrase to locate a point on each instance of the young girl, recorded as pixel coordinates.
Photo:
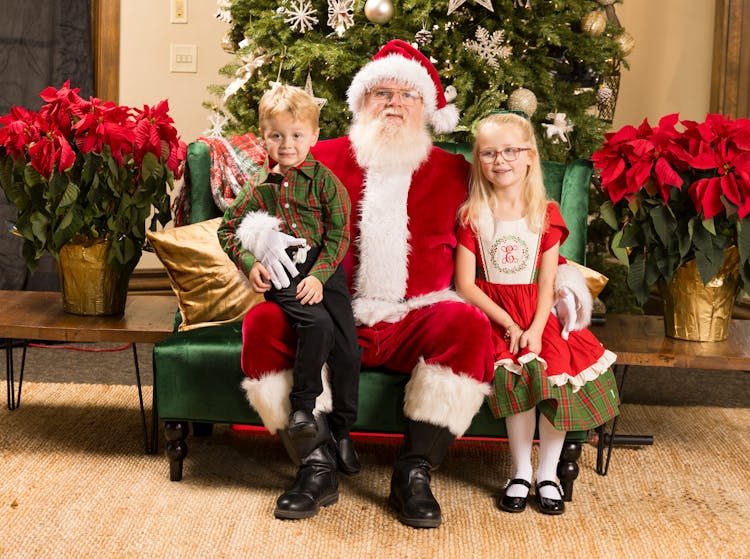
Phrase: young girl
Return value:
(506, 264)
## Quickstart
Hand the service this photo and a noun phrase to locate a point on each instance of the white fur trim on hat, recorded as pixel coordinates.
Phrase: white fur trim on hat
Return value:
(392, 67)
(400, 61)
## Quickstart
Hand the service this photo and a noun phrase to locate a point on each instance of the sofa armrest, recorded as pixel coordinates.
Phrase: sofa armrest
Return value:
(198, 173)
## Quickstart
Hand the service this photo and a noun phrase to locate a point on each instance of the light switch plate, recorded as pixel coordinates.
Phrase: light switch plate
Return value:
(183, 58)
(178, 11)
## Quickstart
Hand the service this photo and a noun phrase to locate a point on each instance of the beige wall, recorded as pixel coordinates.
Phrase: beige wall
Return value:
(670, 68)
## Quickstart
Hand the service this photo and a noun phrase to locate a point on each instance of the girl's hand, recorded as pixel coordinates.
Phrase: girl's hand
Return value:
(260, 279)
(310, 291)
(532, 341)
(513, 337)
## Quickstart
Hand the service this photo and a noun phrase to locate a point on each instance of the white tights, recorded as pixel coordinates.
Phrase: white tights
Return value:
(521, 438)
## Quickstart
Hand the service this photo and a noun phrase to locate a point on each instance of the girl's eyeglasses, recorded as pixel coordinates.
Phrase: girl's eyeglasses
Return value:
(508, 154)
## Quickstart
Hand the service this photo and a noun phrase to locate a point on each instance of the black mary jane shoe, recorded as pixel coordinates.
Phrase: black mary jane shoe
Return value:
(550, 506)
(515, 504)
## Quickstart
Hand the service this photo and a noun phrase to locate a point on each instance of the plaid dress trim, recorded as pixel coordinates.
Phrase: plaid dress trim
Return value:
(595, 403)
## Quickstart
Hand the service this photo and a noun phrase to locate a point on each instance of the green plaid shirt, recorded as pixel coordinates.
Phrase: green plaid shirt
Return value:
(311, 203)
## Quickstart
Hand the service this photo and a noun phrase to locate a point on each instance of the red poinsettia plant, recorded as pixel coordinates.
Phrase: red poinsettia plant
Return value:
(88, 169)
(677, 191)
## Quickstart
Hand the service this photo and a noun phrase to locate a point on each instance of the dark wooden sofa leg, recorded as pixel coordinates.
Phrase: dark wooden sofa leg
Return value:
(176, 432)
(567, 468)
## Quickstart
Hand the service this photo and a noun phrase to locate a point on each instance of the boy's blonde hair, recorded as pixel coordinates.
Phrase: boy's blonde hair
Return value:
(480, 189)
(291, 100)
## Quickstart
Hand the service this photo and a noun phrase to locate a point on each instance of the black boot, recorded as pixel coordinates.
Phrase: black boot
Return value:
(316, 484)
(425, 446)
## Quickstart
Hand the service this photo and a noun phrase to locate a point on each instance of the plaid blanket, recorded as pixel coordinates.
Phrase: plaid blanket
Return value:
(233, 160)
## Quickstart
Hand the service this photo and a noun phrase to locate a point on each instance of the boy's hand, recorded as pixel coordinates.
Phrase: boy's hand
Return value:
(260, 279)
(310, 291)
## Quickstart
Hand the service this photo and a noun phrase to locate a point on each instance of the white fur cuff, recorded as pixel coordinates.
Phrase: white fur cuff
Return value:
(253, 229)
(437, 395)
(269, 396)
(569, 276)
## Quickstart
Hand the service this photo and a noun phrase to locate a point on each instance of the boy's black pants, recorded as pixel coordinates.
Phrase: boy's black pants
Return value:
(326, 334)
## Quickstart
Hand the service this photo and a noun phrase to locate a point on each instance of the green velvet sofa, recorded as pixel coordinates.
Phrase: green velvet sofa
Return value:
(197, 373)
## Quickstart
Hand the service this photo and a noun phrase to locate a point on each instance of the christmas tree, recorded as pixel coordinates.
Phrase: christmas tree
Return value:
(555, 59)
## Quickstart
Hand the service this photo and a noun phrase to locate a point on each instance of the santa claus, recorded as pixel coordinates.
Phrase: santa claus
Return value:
(405, 193)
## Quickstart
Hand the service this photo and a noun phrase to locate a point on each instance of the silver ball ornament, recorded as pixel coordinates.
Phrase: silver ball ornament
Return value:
(379, 11)
(522, 99)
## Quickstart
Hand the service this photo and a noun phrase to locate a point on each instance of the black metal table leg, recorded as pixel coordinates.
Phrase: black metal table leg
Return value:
(147, 444)
(13, 398)
(608, 440)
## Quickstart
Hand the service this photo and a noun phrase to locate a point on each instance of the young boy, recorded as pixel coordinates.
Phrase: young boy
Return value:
(310, 204)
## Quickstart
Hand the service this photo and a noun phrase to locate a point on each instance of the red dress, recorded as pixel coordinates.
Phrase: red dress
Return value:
(567, 374)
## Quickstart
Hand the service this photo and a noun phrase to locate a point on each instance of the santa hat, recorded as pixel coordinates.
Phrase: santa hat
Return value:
(398, 60)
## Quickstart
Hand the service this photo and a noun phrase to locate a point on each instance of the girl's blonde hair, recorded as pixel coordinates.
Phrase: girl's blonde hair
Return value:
(290, 100)
(481, 190)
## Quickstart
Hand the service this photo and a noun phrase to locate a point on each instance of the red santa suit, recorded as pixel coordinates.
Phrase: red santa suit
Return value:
(400, 269)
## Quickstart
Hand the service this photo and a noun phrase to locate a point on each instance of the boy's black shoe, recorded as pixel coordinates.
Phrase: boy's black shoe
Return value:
(346, 455)
(302, 424)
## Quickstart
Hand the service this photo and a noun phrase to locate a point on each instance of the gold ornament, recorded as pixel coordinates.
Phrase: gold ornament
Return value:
(379, 11)
(626, 42)
(594, 23)
(522, 99)
(228, 45)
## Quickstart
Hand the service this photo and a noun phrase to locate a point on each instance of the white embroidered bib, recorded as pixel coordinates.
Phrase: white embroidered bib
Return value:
(509, 255)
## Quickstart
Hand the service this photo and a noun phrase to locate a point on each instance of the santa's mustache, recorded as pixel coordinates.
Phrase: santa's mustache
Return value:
(392, 112)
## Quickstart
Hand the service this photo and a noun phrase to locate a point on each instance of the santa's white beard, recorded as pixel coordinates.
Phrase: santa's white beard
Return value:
(383, 145)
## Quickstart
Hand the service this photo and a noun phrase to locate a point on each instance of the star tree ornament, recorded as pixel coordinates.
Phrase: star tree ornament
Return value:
(453, 5)
(300, 14)
(522, 4)
(340, 15)
(490, 48)
(557, 130)
(319, 101)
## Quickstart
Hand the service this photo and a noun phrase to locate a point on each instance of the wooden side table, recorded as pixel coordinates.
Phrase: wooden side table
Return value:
(640, 340)
(38, 315)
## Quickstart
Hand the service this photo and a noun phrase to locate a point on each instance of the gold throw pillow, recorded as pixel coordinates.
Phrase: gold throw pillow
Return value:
(209, 287)
(595, 281)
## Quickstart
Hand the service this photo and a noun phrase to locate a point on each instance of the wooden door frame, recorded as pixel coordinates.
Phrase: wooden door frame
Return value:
(730, 76)
(105, 44)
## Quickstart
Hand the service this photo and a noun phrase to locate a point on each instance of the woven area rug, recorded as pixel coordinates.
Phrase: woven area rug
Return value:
(74, 482)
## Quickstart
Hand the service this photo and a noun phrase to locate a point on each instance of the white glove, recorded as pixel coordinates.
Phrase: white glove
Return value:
(272, 254)
(566, 310)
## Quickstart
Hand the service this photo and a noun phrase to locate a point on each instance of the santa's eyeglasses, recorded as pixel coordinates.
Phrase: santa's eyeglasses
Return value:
(408, 96)
(508, 154)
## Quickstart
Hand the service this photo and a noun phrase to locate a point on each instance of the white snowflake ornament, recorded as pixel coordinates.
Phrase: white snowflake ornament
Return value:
(557, 130)
(340, 15)
(490, 48)
(300, 14)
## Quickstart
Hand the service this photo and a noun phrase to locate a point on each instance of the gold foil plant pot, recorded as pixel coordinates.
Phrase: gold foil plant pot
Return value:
(89, 285)
(697, 312)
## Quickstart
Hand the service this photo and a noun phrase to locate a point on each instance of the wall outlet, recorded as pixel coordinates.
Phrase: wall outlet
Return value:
(183, 58)
(178, 11)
